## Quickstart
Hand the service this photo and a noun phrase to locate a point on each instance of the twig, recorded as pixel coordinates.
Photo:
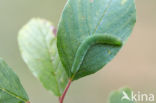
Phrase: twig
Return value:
(65, 91)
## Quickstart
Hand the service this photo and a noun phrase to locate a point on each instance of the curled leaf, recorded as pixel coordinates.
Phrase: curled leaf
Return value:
(82, 21)
(88, 43)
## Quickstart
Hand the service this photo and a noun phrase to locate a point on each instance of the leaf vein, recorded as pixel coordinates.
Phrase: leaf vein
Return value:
(12, 94)
(105, 11)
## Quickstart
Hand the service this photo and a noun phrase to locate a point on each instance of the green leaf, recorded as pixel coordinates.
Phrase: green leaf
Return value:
(121, 96)
(84, 20)
(38, 47)
(11, 90)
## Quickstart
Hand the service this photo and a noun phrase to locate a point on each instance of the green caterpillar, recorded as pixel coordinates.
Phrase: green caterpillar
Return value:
(90, 41)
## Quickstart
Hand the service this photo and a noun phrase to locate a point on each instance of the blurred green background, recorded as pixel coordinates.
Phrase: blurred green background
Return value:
(134, 66)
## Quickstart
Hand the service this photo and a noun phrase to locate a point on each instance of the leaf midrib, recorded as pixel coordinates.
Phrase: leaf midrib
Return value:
(13, 94)
(103, 15)
(99, 22)
(47, 47)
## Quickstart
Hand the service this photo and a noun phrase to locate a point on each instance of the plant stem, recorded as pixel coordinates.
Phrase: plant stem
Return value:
(65, 91)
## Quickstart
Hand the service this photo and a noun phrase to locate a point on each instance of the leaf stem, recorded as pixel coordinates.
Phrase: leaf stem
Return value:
(61, 99)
